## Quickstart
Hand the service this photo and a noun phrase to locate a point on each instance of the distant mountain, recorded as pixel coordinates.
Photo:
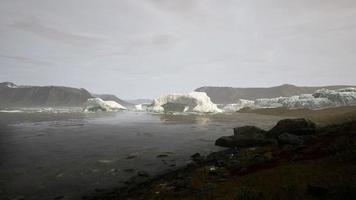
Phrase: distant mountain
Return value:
(140, 101)
(110, 97)
(227, 95)
(12, 95)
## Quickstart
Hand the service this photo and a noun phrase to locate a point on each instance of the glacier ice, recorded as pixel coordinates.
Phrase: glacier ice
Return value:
(192, 102)
(141, 107)
(343, 97)
(241, 103)
(97, 104)
(319, 99)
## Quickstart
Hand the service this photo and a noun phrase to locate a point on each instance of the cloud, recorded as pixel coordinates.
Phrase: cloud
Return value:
(25, 60)
(51, 33)
(178, 6)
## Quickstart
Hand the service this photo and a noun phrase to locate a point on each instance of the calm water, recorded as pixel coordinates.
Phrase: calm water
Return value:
(43, 156)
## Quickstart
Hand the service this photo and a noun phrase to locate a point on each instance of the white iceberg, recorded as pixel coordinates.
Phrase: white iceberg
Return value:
(97, 104)
(192, 102)
(341, 97)
(242, 103)
(319, 99)
(301, 101)
(141, 107)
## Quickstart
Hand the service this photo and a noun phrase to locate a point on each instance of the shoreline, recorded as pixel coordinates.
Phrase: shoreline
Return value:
(233, 172)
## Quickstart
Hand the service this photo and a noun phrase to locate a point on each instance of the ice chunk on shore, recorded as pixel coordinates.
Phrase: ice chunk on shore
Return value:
(192, 102)
(97, 104)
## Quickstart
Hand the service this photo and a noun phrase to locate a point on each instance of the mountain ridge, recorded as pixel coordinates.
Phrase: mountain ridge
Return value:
(12, 95)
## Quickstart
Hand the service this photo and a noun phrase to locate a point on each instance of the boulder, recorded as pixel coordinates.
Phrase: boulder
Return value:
(243, 141)
(249, 130)
(197, 157)
(292, 126)
(286, 138)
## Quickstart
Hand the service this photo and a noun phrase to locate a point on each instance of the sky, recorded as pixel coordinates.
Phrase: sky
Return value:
(145, 48)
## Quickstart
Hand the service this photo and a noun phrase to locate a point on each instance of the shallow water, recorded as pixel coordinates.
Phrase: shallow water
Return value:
(46, 155)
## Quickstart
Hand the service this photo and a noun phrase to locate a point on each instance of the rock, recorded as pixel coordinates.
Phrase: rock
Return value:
(129, 170)
(131, 157)
(244, 141)
(245, 136)
(290, 139)
(143, 174)
(286, 138)
(162, 156)
(222, 155)
(293, 126)
(248, 130)
(317, 190)
(114, 170)
(197, 157)
(99, 190)
(212, 170)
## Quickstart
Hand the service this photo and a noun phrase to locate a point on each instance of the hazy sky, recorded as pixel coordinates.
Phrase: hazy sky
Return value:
(143, 48)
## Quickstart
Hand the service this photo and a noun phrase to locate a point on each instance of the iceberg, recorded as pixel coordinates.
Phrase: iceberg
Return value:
(141, 107)
(192, 102)
(319, 99)
(341, 97)
(298, 101)
(242, 103)
(97, 104)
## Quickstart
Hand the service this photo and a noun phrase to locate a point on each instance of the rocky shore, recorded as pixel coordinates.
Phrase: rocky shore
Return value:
(296, 159)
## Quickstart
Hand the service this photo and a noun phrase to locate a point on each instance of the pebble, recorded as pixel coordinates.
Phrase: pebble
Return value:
(162, 156)
(143, 174)
(131, 157)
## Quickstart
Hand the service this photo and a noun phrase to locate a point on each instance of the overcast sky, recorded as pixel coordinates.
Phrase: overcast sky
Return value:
(143, 48)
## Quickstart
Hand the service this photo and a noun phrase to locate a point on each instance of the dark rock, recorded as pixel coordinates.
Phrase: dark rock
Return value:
(222, 155)
(246, 136)
(58, 197)
(248, 130)
(130, 157)
(129, 170)
(220, 163)
(293, 126)
(286, 138)
(143, 174)
(244, 141)
(99, 190)
(317, 190)
(162, 156)
(114, 170)
(197, 157)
